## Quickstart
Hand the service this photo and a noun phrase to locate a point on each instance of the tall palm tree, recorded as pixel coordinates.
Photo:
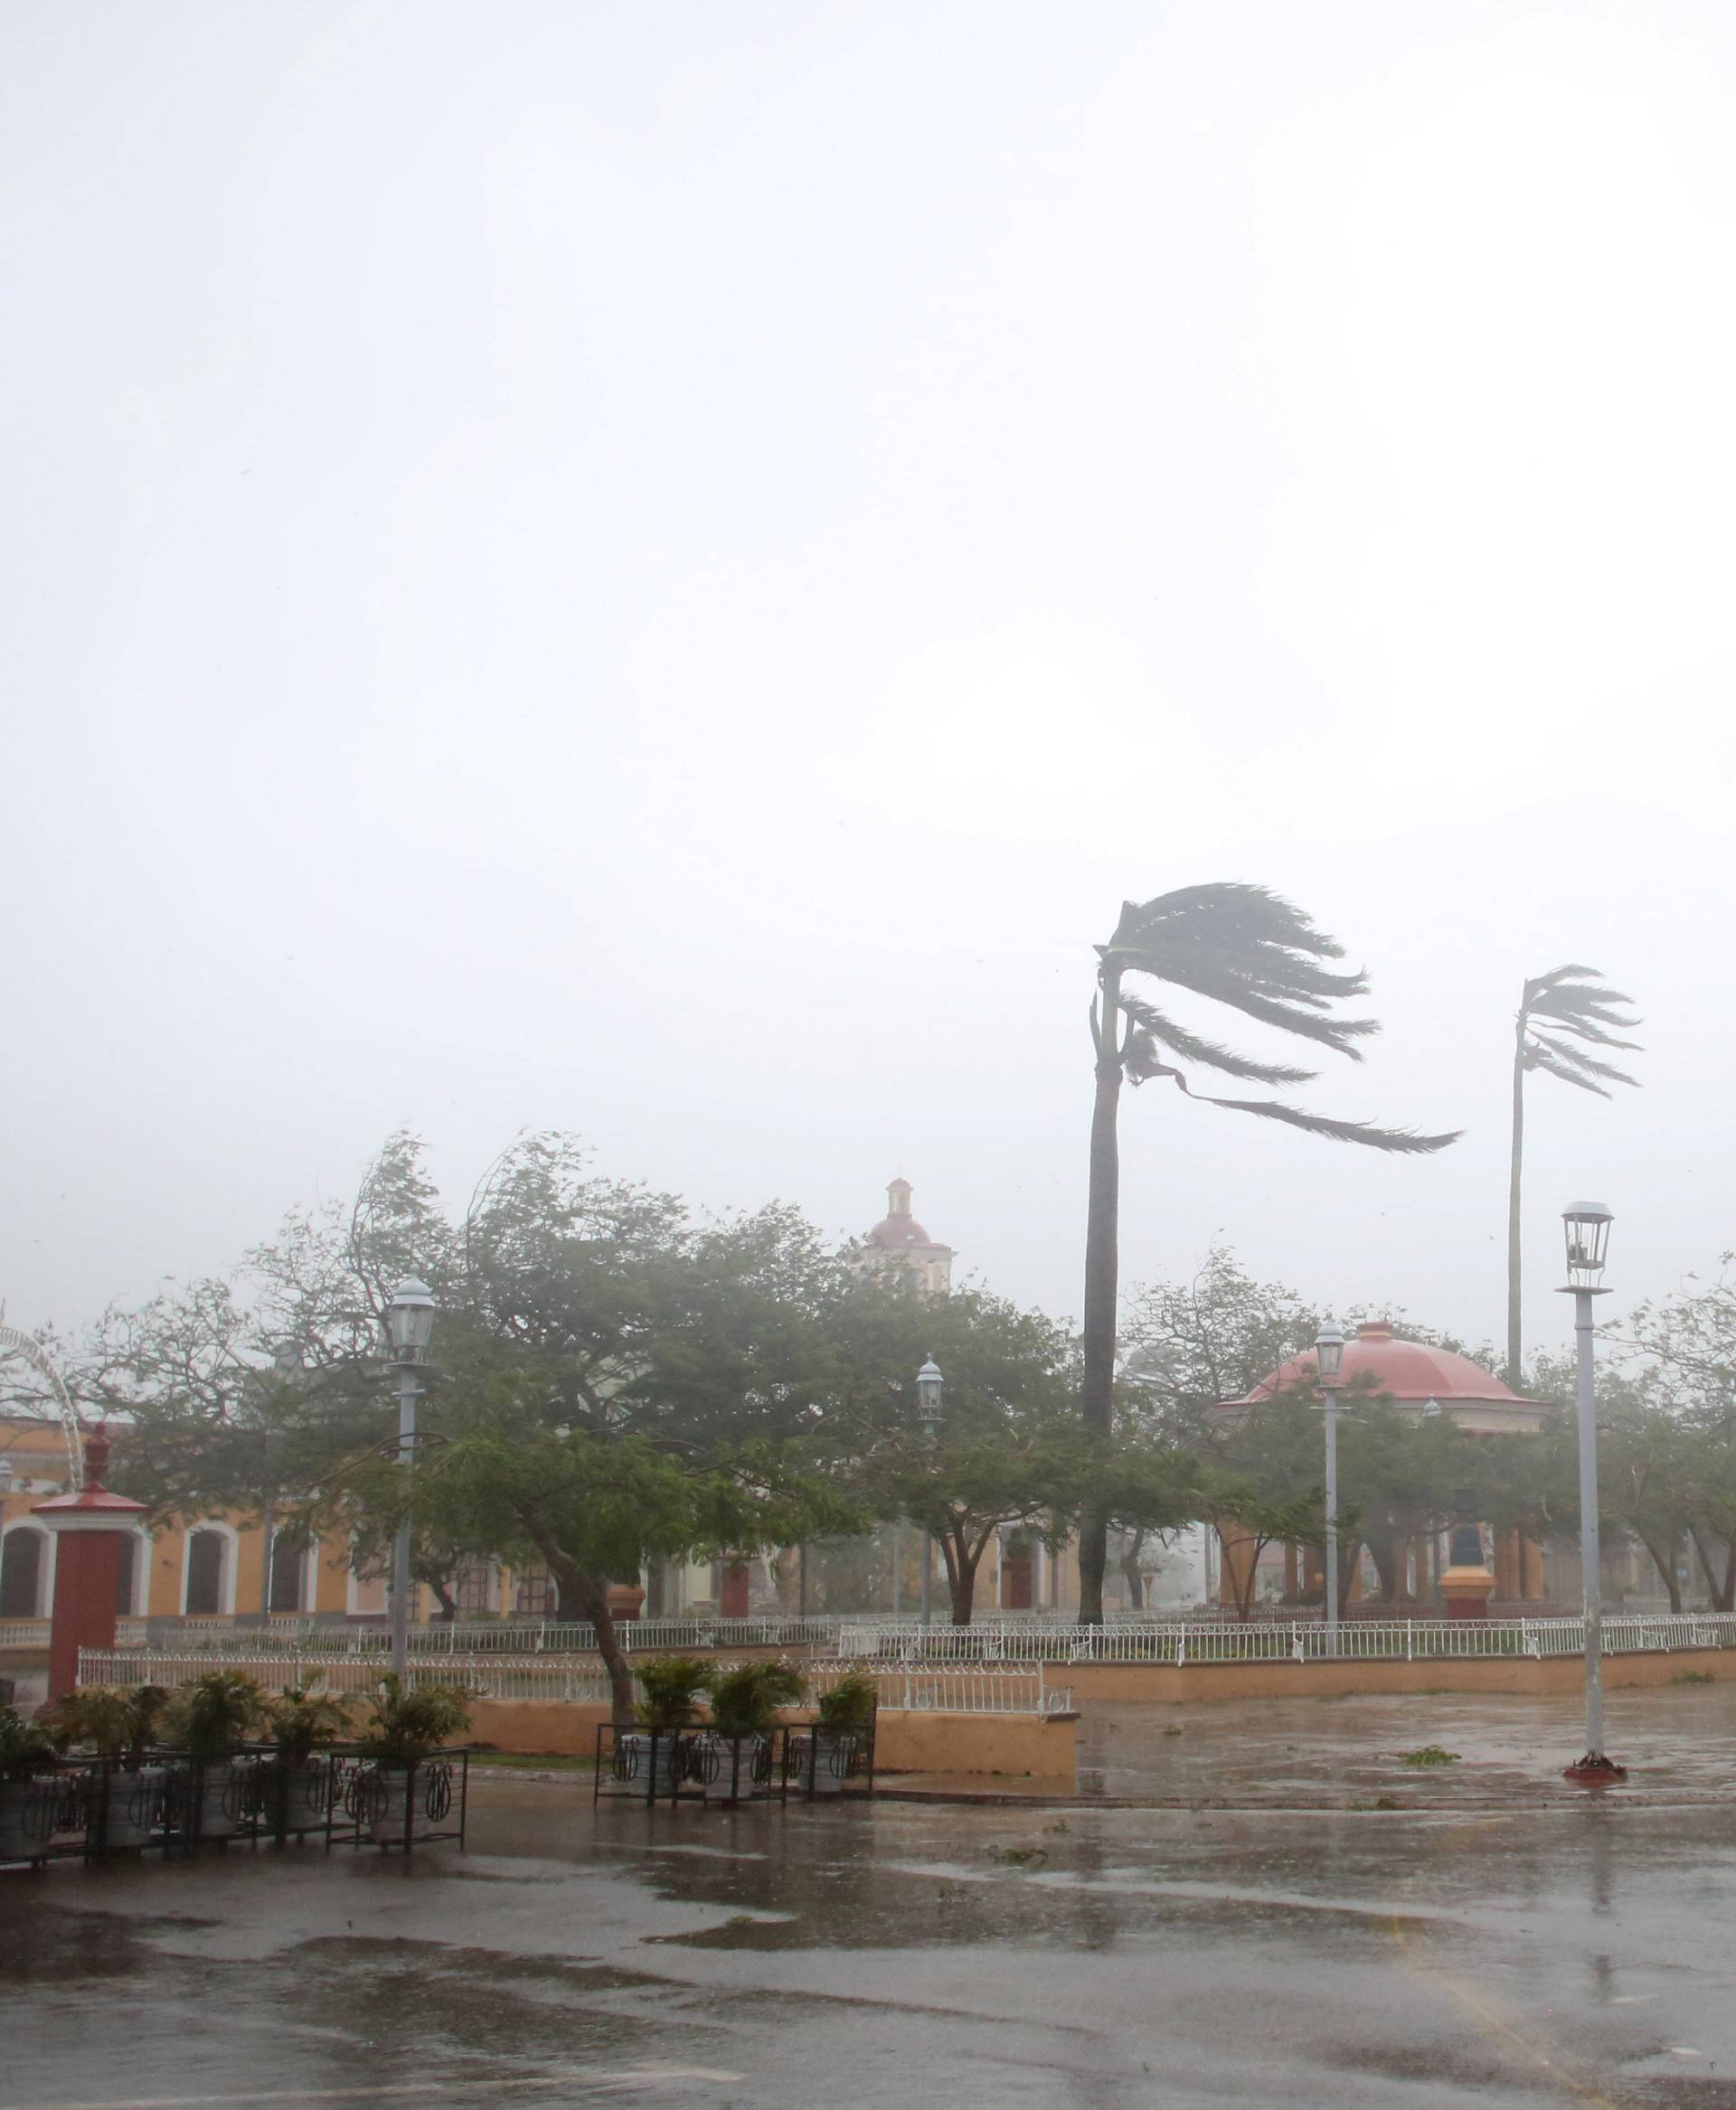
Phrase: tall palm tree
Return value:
(1568, 1003)
(1239, 945)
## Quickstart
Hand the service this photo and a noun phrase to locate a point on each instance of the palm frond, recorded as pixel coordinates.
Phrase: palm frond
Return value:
(1535, 1060)
(1210, 1054)
(1302, 1017)
(1581, 1029)
(1248, 948)
(1225, 912)
(1580, 1004)
(1571, 973)
(1574, 1003)
(1404, 1141)
(1580, 1065)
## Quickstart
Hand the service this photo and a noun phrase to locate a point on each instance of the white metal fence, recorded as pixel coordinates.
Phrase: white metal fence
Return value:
(491, 1637)
(1272, 1641)
(923, 1688)
(994, 1642)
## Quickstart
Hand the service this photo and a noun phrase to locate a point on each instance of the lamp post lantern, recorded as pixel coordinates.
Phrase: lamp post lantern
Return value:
(410, 1326)
(928, 1386)
(1330, 1361)
(1587, 1227)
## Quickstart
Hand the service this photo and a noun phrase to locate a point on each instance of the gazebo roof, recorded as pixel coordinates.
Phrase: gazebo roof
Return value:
(1412, 1373)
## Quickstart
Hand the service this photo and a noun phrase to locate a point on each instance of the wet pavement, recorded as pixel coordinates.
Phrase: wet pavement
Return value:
(1573, 1948)
(1679, 1740)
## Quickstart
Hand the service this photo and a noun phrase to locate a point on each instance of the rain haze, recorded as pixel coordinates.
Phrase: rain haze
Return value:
(662, 571)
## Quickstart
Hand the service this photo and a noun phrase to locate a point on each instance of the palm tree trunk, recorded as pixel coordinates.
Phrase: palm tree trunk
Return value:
(1514, 1345)
(1102, 1272)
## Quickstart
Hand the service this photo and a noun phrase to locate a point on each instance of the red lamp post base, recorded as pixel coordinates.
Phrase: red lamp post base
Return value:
(1595, 1770)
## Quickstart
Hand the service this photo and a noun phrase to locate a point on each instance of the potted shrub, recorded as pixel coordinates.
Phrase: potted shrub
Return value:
(410, 1725)
(843, 1720)
(210, 1719)
(303, 1720)
(671, 1686)
(120, 1726)
(744, 1712)
(29, 1791)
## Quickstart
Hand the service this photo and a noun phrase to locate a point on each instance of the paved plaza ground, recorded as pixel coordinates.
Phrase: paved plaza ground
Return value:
(1499, 1940)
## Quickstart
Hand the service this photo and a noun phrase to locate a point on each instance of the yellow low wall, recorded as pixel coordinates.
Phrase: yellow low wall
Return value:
(907, 1741)
(1320, 1681)
(912, 1740)
(565, 1728)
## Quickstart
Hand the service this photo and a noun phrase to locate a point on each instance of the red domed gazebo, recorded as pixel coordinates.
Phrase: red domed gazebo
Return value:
(1412, 1373)
(1418, 1379)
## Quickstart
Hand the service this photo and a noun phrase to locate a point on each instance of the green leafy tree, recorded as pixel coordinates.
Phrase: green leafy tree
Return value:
(1689, 1341)
(511, 1468)
(1652, 1460)
(1009, 1452)
(1260, 1484)
(1186, 1347)
(1231, 944)
(1556, 1010)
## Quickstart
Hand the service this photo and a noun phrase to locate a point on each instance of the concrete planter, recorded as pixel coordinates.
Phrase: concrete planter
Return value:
(830, 1759)
(228, 1791)
(734, 1769)
(388, 1803)
(132, 1799)
(28, 1812)
(304, 1789)
(653, 1773)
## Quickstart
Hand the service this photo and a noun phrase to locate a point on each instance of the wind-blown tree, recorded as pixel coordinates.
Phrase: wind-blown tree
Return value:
(1009, 1450)
(243, 1393)
(1260, 1485)
(1658, 1464)
(1244, 947)
(510, 1470)
(700, 1344)
(1690, 1339)
(1566, 1005)
(1185, 1347)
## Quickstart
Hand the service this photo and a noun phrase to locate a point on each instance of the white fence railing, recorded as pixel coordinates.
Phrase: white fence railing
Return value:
(24, 1632)
(491, 1637)
(1184, 1642)
(993, 1642)
(924, 1688)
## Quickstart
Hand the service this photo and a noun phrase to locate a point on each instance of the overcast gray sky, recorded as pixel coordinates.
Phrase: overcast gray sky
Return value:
(662, 569)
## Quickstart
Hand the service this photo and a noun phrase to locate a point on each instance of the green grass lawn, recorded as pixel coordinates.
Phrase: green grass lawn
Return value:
(538, 1762)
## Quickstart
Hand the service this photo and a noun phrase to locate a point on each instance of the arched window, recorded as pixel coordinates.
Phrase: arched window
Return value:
(23, 1572)
(206, 1549)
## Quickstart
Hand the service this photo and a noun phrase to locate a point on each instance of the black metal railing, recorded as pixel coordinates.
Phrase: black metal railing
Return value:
(698, 1765)
(690, 1765)
(167, 1801)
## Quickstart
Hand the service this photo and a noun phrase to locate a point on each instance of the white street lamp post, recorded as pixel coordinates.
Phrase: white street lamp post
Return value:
(410, 1322)
(1587, 1225)
(1330, 1360)
(929, 1385)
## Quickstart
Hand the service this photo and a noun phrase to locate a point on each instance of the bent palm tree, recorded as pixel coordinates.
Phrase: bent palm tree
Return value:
(1239, 945)
(1567, 1004)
